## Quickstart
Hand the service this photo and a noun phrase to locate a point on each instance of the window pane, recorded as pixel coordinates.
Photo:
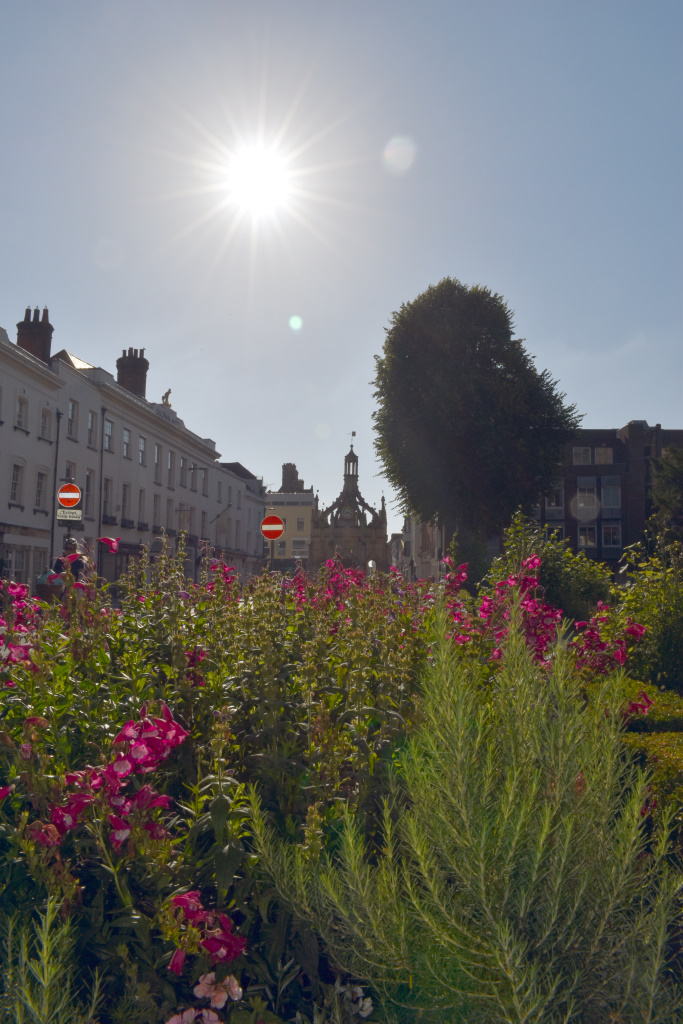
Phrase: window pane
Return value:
(603, 456)
(611, 497)
(611, 535)
(582, 456)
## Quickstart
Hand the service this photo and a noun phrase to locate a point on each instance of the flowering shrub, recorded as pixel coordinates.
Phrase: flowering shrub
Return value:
(129, 736)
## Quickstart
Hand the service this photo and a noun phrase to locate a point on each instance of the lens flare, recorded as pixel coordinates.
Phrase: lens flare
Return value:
(258, 180)
(296, 323)
(399, 154)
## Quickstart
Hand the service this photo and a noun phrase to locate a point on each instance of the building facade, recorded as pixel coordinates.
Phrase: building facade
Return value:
(140, 470)
(349, 527)
(600, 503)
(417, 551)
(293, 503)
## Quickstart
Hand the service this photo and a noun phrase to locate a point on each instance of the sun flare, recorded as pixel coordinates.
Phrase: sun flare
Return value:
(258, 181)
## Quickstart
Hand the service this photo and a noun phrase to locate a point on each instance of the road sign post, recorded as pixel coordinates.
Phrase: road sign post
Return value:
(69, 498)
(69, 495)
(271, 528)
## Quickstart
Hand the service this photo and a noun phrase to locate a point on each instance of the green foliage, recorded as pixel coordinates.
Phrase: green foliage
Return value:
(467, 428)
(652, 594)
(514, 881)
(570, 581)
(667, 493)
(302, 687)
(39, 983)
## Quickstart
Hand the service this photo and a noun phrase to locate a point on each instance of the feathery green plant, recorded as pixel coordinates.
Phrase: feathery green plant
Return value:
(515, 883)
(39, 983)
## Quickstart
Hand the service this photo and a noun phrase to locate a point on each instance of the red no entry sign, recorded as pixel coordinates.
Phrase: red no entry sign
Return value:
(272, 527)
(69, 495)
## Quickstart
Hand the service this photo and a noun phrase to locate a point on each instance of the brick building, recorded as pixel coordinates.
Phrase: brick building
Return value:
(600, 503)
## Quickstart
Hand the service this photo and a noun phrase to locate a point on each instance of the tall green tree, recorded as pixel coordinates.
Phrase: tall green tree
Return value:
(467, 428)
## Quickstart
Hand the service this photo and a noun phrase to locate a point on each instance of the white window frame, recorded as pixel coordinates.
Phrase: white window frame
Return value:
(142, 450)
(585, 527)
(581, 456)
(125, 500)
(22, 413)
(72, 419)
(41, 488)
(107, 496)
(126, 442)
(608, 527)
(89, 490)
(584, 496)
(92, 429)
(608, 498)
(46, 423)
(108, 435)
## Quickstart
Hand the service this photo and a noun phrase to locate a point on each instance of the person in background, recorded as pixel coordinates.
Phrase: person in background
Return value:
(72, 558)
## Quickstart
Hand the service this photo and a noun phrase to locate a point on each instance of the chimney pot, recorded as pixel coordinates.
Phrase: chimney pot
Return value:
(132, 372)
(35, 335)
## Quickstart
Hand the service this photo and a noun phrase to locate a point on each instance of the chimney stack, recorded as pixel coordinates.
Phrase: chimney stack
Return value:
(35, 335)
(132, 370)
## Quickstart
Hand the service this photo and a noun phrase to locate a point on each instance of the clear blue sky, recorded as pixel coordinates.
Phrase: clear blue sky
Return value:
(547, 165)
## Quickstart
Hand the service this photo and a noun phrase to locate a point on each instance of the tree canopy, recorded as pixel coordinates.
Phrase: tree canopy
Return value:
(467, 428)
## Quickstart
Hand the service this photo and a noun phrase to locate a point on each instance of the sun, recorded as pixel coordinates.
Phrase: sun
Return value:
(258, 181)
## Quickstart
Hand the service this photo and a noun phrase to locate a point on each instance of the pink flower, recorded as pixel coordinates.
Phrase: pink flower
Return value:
(155, 830)
(122, 766)
(46, 835)
(183, 1018)
(17, 590)
(218, 992)
(25, 750)
(121, 831)
(221, 944)
(6, 790)
(191, 906)
(176, 964)
(111, 542)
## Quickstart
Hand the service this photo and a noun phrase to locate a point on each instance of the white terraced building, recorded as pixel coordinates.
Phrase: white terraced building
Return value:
(140, 470)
